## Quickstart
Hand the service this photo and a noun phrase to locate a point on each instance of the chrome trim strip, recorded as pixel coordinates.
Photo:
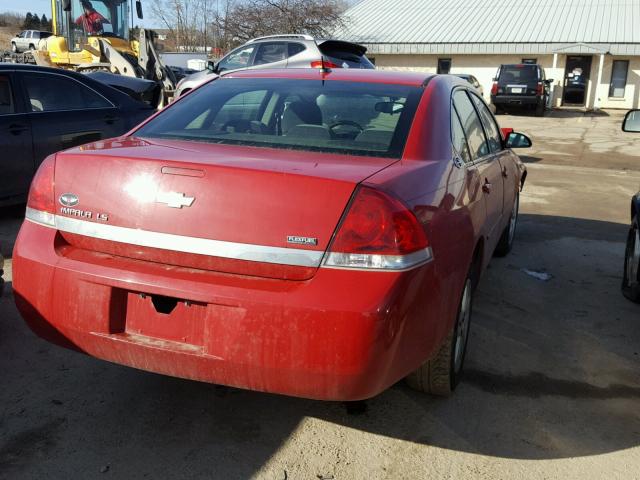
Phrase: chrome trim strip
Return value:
(43, 218)
(387, 263)
(178, 243)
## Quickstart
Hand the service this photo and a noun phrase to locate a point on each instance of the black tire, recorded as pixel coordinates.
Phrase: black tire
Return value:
(32, 46)
(441, 374)
(505, 244)
(14, 47)
(631, 276)
(540, 108)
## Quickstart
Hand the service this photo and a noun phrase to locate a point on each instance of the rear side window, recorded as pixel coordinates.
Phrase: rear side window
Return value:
(471, 124)
(47, 93)
(296, 48)
(518, 73)
(489, 123)
(330, 116)
(458, 138)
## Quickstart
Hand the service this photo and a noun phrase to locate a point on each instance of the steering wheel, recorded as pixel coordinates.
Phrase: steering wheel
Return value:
(349, 123)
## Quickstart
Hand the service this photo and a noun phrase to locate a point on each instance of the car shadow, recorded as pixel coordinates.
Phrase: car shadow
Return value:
(552, 372)
(563, 112)
(529, 159)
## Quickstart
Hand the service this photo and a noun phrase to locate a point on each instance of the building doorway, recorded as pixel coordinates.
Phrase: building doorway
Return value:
(576, 80)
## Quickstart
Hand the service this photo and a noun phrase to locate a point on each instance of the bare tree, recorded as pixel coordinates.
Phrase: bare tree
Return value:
(186, 21)
(240, 21)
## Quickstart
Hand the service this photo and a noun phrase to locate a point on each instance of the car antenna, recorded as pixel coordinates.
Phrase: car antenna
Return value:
(323, 69)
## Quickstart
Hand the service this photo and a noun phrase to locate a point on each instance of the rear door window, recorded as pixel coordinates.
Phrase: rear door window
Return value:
(471, 124)
(489, 123)
(271, 52)
(51, 92)
(6, 97)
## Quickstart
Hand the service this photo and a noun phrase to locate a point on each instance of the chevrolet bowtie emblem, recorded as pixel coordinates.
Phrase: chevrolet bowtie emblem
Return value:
(175, 199)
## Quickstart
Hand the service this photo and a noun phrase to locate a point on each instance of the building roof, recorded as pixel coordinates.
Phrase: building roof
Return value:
(494, 26)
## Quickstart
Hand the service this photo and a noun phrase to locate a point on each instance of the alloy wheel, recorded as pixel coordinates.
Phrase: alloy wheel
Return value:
(462, 332)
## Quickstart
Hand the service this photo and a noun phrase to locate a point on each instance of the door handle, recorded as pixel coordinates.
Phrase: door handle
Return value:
(486, 187)
(110, 119)
(17, 129)
(505, 174)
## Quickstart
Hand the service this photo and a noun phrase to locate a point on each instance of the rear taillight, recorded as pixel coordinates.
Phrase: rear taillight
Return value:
(539, 89)
(324, 64)
(494, 88)
(41, 202)
(379, 232)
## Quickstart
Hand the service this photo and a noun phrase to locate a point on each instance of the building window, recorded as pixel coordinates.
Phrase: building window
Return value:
(618, 78)
(444, 65)
(530, 61)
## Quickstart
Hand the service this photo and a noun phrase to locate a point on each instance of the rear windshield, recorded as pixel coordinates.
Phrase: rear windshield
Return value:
(518, 73)
(331, 116)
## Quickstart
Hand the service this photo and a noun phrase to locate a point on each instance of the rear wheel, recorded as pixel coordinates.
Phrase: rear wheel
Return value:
(440, 374)
(32, 47)
(540, 109)
(631, 278)
(14, 47)
(505, 244)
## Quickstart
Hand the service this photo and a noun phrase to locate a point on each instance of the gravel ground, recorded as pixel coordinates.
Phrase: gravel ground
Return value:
(552, 386)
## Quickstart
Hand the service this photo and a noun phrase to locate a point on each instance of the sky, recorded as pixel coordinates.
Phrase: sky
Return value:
(44, 6)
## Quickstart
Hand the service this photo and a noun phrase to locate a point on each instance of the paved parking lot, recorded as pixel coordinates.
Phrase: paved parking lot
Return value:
(552, 387)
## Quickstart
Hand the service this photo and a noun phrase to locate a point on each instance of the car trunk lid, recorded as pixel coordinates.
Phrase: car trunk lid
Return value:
(244, 210)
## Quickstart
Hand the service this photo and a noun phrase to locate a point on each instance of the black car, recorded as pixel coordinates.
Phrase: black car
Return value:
(631, 275)
(44, 110)
(521, 85)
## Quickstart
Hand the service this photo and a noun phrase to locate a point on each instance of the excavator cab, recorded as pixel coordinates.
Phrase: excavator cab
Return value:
(79, 20)
(93, 36)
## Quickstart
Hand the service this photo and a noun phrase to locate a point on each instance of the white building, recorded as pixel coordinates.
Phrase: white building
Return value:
(598, 38)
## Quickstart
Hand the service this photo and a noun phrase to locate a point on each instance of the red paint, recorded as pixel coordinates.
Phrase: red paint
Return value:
(312, 332)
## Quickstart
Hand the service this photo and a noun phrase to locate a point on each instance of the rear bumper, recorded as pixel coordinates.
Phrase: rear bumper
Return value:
(343, 335)
(516, 100)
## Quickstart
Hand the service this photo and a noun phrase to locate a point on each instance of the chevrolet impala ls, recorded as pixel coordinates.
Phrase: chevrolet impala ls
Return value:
(313, 233)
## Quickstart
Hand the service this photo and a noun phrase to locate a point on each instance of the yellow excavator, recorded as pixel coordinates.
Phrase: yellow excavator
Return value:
(93, 35)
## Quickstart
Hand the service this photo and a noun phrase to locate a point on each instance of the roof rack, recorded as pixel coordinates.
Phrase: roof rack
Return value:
(300, 37)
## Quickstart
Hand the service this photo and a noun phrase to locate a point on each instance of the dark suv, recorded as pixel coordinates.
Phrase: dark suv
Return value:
(520, 85)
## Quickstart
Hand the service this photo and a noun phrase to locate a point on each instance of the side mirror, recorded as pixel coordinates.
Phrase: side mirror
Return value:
(631, 121)
(66, 5)
(517, 140)
(139, 9)
(211, 66)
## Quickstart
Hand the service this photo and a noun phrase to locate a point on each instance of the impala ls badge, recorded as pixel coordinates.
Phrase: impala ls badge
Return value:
(68, 200)
(302, 240)
(175, 199)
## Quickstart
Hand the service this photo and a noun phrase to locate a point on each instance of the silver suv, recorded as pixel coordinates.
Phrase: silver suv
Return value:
(27, 40)
(282, 51)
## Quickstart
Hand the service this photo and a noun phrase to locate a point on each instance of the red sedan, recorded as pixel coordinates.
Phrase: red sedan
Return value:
(310, 233)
